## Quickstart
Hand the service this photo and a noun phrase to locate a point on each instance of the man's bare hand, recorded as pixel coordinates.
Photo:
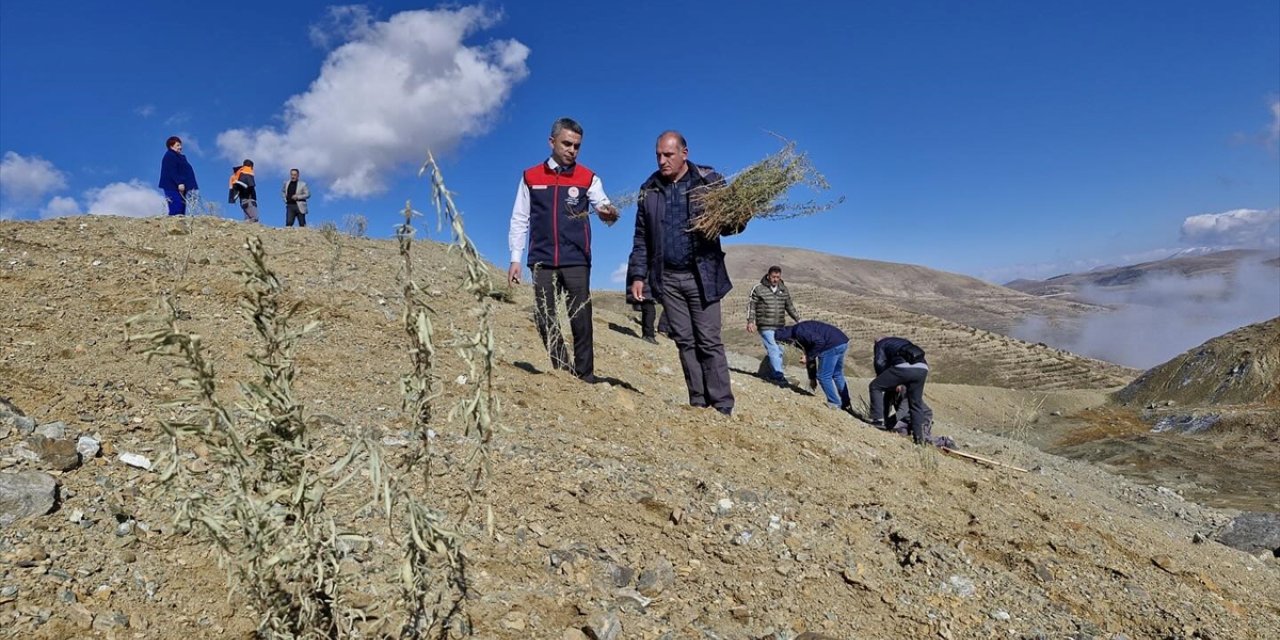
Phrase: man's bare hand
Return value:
(637, 290)
(608, 214)
(751, 327)
(513, 273)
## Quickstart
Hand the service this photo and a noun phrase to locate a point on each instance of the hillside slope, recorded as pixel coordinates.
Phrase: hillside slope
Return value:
(1239, 368)
(958, 298)
(958, 320)
(785, 518)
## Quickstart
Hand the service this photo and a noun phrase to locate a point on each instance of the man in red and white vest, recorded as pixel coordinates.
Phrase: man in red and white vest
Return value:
(552, 214)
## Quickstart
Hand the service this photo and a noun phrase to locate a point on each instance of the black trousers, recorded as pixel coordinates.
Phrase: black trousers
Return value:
(292, 212)
(913, 378)
(575, 284)
(648, 315)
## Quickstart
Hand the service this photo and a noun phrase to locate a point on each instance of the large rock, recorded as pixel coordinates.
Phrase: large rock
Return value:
(25, 494)
(58, 454)
(1253, 532)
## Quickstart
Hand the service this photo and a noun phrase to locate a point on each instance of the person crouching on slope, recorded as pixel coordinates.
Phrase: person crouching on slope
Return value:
(824, 348)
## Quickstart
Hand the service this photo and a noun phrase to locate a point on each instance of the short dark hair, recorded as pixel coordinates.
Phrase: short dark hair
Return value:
(292, 170)
(775, 269)
(678, 136)
(565, 123)
(168, 144)
(248, 162)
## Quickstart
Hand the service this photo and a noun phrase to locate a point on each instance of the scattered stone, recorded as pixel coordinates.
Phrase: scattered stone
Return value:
(1253, 532)
(657, 578)
(128, 557)
(81, 617)
(25, 494)
(632, 598)
(809, 635)
(604, 626)
(88, 447)
(621, 576)
(573, 634)
(27, 556)
(1002, 616)
(58, 454)
(513, 621)
(135, 460)
(960, 586)
(110, 621)
(52, 430)
(724, 506)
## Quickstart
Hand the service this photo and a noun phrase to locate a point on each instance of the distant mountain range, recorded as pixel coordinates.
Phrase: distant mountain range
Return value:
(1192, 263)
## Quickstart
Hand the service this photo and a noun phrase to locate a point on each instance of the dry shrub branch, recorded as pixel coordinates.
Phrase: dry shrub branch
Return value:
(759, 192)
(478, 410)
(270, 514)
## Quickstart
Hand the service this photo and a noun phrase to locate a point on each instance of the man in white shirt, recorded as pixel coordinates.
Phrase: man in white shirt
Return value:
(552, 215)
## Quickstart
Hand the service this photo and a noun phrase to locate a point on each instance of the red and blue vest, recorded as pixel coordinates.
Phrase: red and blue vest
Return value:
(559, 220)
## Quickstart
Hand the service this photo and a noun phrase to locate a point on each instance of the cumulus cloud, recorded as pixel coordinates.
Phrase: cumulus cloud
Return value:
(60, 206)
(619, 275)
(1240, 228)
(145, 111)
(26, 179)
(132, 199)
(395, 88)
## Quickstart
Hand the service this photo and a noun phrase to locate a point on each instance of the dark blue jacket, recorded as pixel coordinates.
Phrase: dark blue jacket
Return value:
(645, 262)
(812, 336)
(175, 170)
(559, 222)
(888, 353)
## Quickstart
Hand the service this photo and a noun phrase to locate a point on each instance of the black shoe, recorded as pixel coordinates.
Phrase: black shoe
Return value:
(725, 411)
(590, 378)
(650, 339)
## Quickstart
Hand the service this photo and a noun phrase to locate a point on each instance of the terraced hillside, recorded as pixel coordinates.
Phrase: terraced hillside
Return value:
(959, 298)
(958, 353)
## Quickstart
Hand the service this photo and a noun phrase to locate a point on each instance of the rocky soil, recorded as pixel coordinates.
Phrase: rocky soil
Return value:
(619, 512)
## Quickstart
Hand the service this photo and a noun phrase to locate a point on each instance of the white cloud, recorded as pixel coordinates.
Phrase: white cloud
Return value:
(60, 206)
(1236, 228)
(394, 89)
(146, 110)
(340, 21)
(619, 275)
(27, 179)
(133, 199)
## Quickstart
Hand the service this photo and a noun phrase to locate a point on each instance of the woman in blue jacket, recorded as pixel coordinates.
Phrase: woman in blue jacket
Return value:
(177, 178)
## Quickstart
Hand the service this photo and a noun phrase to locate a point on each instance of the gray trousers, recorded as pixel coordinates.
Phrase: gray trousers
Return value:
(250, 208)
(695, 328)
(291, 213)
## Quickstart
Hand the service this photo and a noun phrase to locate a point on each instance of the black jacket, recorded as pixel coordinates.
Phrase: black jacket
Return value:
(888, 353)
(645, 262)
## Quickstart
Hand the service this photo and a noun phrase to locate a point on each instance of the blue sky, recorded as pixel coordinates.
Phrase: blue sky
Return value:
(998, 139)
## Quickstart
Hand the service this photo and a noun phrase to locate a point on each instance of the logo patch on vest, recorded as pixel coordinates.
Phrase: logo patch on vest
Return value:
(573, 192)
(538, 186)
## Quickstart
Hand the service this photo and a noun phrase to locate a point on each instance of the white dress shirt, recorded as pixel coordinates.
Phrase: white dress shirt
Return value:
(518, 233)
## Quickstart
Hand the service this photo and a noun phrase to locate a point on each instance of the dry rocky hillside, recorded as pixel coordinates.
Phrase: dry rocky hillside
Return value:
(1239, 368)
(618, 512)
